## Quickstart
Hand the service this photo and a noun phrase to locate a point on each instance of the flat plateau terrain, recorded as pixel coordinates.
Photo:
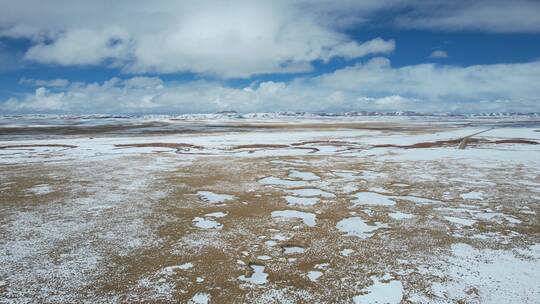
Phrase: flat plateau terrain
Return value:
(301, 211)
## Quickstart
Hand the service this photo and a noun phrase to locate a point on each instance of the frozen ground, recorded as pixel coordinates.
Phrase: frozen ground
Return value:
(269, 211)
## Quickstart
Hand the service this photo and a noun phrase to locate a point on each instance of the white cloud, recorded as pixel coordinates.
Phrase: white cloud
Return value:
(438, 54)
(81, 47)
(355, 50)
(242, 38)
(394, 101)
(228, 39)
(236, 38)
(59, 82)
(441, 84)
(374, 85)
(499, 16)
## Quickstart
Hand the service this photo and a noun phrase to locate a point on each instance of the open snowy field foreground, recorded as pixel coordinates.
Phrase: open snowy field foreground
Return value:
(269, 211)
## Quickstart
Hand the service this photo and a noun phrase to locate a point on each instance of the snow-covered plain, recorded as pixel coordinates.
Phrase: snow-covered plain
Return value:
(266, 209)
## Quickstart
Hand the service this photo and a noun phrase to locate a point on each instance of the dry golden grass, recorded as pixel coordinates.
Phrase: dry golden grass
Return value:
(400, 249)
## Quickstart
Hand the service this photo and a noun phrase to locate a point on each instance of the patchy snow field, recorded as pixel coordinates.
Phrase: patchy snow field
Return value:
(386, 211)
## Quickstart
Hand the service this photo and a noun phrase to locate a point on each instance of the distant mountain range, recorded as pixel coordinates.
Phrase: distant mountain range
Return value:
(282, 115)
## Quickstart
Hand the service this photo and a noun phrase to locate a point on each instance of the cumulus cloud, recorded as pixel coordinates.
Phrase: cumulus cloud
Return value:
(81, 47)
(373, 85)
(228, 39)
(440, 83)
(438, 54)
(240, 38)
(236, 38)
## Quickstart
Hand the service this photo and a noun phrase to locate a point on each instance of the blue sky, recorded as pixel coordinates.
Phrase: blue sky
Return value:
(253, 56)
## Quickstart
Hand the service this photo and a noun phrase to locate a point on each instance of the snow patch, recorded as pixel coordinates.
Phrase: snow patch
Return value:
(303, 201)
(400, 215)
(270, 243)
(311, 192)
(380, 292)
(460, 221)
(216, 214)
(258, 277)
(417, 200)
(41, 189)
(355, 226)
(307, 176)
(274, 181)
(314, 275)
(200, 298)
(371, 198)
(346, 252)
(473, 195)
(206, 223)
(306, 217)
(289, 249)
(214, 198)
(171, 269)
(498, 276)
